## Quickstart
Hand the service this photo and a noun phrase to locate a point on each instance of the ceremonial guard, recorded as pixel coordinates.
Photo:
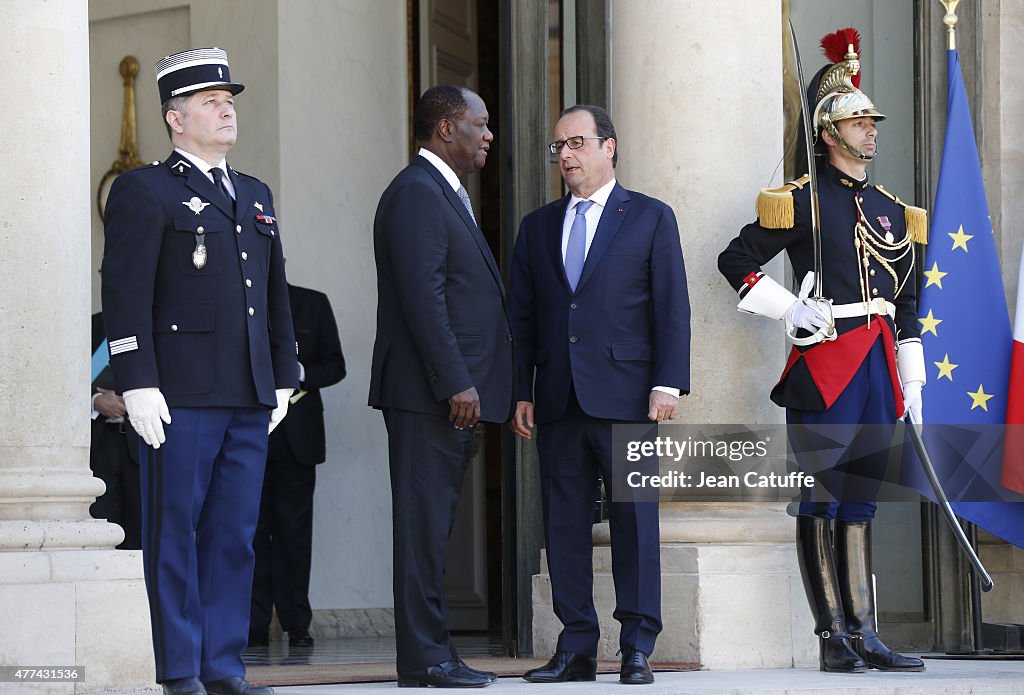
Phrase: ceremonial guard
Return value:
(201, 345)
(856, 358)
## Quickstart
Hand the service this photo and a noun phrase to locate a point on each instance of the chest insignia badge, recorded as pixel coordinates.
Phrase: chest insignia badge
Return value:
(194, 204)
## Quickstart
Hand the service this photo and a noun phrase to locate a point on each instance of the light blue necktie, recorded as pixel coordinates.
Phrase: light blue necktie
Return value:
(576, 250)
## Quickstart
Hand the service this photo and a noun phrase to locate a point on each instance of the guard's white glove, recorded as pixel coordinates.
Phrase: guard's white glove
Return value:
(805, 316)
(146, 409)
(278, 413)
(912, 400)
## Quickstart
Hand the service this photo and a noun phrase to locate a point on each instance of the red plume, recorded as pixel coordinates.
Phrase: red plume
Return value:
(835, 46)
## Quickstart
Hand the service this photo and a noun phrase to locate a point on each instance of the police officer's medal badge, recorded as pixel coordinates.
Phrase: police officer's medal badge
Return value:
(199, 255)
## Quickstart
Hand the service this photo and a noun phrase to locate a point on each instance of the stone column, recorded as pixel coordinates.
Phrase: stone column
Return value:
(66, 596)
(697, 104)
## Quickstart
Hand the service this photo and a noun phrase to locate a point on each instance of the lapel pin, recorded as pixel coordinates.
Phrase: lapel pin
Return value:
(195, 204)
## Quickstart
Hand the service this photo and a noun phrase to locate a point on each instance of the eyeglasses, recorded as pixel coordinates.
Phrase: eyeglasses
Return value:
(574, 143)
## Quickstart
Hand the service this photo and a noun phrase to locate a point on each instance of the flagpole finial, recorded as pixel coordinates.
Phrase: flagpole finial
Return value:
(950, 21)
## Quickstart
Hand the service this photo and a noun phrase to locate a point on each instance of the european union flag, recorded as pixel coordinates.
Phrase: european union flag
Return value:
(965, 330)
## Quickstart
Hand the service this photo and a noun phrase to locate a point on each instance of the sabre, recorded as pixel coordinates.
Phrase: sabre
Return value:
(811, 169)
(947, 511)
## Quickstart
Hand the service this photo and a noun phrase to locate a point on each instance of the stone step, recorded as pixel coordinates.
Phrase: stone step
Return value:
(942, 677)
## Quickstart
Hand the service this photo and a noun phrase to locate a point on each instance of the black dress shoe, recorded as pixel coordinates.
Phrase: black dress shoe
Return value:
(447, 674)
(564, 666)
(236, 685)
(635, 669)
(489, 675)
(183, 686)
(300, 638)
(258, 638)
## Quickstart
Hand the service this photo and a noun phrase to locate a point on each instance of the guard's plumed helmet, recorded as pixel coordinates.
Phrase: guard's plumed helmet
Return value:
(835, 92)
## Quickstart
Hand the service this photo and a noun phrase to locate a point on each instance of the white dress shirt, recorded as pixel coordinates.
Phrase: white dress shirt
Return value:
(446, 171)
(205, 167)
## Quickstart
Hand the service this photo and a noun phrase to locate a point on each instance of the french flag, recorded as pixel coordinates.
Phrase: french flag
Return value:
(1013, 452)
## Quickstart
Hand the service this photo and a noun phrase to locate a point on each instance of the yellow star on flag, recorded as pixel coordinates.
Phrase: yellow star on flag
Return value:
(960, 239)
(928, 324)
(980, 398)
(946, 367)
(934, 276)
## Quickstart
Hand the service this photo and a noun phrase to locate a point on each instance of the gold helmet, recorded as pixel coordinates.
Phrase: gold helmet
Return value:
(835, 89)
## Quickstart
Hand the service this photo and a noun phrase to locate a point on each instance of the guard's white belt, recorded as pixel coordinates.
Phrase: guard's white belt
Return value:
(877, 305)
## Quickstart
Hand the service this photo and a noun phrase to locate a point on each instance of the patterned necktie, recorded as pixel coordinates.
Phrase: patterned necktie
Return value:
(218, 178)
(576, 250)
(464, 197)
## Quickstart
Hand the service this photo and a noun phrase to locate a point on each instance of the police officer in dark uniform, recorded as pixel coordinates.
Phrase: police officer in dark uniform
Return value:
(201, 345)
(856, 357)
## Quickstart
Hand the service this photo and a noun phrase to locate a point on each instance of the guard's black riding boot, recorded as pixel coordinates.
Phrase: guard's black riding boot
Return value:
(853, 557)
(818, 570)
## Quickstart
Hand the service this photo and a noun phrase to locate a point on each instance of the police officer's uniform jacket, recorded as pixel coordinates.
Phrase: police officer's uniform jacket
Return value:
(867, 260)
(194, 295)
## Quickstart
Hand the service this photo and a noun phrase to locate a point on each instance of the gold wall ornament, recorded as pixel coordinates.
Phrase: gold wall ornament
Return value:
(128, 151)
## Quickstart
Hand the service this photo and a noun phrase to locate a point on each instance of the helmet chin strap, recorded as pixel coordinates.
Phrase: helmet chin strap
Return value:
(831, 129)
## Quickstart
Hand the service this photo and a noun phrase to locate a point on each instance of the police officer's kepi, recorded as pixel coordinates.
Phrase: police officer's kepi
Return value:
(193, 71)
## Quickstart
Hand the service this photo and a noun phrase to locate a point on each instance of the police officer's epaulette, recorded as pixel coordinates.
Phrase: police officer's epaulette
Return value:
(917, 218)
(775, 205)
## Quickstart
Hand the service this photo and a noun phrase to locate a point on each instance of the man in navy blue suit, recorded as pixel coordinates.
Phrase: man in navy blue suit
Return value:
(195, 304)
(601, 318)
(442, 361)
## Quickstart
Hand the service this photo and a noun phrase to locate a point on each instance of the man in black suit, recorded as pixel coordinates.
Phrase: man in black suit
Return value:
(284, 535)
(442, 361)
(114, 450)
(196, 309)
(602, 320)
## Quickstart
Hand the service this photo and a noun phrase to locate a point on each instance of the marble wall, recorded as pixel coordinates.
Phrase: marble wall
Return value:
(343, 136)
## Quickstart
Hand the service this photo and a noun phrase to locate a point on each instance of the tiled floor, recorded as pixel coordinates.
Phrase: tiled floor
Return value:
(361, 650)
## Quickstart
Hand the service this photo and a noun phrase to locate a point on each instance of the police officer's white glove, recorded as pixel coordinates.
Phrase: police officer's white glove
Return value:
(805, 316)
(147, 411)
(278, 413)
(912, 400)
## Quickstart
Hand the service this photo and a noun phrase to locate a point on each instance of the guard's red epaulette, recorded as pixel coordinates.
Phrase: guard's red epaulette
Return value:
(917, 218)
(775, 205)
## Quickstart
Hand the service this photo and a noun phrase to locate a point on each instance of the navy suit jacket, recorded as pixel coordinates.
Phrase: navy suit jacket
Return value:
(316, 333)
(219, 335)
(623, 331)
(442, 319)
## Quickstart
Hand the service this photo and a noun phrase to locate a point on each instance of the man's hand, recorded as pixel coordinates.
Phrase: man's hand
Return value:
(663, 406)
(912, 400)
(805, 316)
(522, 421)
(147, 411)
(109, 404)
(278, 413)
(465, 408)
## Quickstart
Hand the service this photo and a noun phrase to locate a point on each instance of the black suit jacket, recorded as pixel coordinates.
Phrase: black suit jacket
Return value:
(216, 335)
(316, 333)
(442, 319)
(626, 328)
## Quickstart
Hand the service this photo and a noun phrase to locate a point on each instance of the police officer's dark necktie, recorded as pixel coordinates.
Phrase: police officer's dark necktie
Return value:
(218, 178)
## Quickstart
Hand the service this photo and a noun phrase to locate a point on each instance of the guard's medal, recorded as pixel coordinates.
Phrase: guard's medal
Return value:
(199, 255)
(886, 225)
